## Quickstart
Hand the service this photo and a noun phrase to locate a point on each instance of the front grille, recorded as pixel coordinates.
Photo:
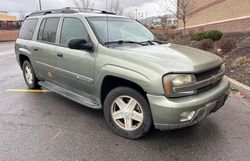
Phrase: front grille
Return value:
(207, 74)
(203, 89)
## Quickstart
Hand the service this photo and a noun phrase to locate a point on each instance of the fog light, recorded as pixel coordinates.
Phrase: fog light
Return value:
(187, 116)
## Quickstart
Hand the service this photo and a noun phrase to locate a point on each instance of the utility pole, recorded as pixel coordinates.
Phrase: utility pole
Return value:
(40, 5)
(136, 14)
(142, 18)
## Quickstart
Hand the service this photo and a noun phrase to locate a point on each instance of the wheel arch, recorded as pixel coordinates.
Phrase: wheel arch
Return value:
(111, 82)
(22, 58)
(114, 76)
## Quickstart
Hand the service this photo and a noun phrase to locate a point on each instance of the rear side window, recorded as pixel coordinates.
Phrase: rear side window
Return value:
(72, 28)
(48, 29)
(28, 29)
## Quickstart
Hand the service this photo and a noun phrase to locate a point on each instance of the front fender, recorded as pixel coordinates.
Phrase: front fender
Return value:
(112, 70)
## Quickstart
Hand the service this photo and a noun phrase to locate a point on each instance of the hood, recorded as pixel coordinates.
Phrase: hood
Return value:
(173, 58)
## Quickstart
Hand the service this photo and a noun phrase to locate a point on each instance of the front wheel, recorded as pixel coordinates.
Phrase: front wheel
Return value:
(127, 113)
(29, 75)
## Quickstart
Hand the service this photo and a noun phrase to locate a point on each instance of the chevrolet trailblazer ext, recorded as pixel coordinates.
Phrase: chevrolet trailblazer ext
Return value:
(114, 63)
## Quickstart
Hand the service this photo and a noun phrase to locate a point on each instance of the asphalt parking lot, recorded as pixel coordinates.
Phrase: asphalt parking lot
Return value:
(46, 126)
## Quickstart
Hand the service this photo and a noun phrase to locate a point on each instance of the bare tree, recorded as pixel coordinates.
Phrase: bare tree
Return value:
(164, 21)
(116, 8)
(21, 15)
(130, 13)
(182, 9)
(83, 4)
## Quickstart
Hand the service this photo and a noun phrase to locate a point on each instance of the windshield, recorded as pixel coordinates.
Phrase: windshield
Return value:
(119, 29)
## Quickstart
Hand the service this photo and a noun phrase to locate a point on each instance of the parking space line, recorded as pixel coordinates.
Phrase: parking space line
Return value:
(27, 90)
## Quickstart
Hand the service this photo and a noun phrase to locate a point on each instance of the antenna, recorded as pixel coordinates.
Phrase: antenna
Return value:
(107, 22)
(40, 5)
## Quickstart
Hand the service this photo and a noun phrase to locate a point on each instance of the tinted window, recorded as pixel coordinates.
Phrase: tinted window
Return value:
(72, 28)
(28, 29)
(47, 31)
(40, 33)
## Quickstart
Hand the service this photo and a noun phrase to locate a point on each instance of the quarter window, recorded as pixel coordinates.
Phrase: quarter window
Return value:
(28, 29)
(72, 28)
(48, 29)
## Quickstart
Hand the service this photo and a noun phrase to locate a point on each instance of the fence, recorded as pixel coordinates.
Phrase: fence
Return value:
(10, 25)
(8, 35)
(9, 30)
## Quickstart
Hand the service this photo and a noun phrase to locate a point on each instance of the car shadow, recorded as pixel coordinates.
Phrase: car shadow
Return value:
(198, 138)
(206, 132)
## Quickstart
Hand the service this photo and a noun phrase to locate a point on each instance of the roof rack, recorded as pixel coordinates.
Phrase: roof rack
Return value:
(89, 10)
(68, 10)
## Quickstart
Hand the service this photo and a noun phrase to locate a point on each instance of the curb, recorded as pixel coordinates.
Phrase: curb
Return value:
(7, 41)
(239, 86)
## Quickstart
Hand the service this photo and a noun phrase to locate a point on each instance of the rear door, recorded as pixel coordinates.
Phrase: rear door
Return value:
(45, 49)
(75, 68)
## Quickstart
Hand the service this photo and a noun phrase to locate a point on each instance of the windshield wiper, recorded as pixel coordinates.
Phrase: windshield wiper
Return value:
(125, 42)
(151, 42)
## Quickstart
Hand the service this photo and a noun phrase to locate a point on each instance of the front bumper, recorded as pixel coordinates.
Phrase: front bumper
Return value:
(166, 112)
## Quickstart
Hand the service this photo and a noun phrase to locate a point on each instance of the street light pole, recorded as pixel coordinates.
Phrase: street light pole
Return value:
(40, 5)
(136, 14)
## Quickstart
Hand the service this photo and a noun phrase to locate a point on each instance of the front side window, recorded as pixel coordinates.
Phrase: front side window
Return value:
(48, 29)
(119, 29)
(28, 29)
(72, 28)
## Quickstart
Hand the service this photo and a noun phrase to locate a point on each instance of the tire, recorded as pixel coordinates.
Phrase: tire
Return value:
(127, 113)
(29, 75)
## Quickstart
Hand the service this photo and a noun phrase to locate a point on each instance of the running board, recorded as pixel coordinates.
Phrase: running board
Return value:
(89, 102)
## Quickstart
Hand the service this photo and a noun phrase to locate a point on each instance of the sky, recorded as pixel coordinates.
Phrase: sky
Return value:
(26, 6)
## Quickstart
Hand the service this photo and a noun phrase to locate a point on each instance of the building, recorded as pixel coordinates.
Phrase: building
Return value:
(4, 16)
(164, 22)
(224, 15)
(8, 21)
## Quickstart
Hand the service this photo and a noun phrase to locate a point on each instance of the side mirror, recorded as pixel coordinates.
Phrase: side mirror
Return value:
(80, 44)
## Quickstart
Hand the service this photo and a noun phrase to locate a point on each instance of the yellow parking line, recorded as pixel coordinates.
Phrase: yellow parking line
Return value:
(27, 90)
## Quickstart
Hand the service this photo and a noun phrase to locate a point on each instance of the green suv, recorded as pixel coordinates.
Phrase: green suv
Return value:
(109, 62)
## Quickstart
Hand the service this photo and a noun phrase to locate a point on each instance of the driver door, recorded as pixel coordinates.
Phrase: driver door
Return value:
(75, 68)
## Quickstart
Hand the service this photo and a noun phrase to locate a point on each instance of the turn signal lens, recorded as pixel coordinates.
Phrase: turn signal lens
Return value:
(167, 85)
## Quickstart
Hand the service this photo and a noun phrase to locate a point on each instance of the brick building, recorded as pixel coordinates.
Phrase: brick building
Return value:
(224, 15)
(4, 16)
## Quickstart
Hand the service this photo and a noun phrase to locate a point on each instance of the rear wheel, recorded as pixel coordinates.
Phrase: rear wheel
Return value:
(29, 75)
(127, 113)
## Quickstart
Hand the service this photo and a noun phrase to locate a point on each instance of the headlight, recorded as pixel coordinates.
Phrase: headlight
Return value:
(176, 80)
(182, 79)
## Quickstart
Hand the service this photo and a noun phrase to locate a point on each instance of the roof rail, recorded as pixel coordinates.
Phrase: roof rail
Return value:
(89, 10)
(68, 10)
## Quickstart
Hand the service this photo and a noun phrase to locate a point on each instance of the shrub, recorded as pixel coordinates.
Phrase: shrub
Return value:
(197, 36)
(226, 44)
(205, 44)
(212, 34)
(242, 60)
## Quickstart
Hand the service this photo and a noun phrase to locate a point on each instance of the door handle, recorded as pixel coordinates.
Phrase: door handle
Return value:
(59, 55)
(35, 49)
